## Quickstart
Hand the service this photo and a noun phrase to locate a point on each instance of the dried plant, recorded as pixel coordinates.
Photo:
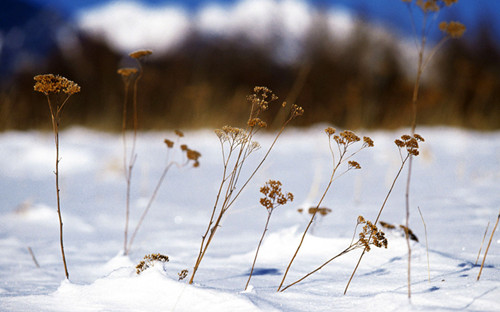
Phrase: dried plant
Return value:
(149, 261)
(237, 145)
(191, 157)
(429, 10)
(62, 89)
(488, 246)
(408, 147)
(369, 236)
(340, 155)
(183, 274)
(273, 198)
(128, 75)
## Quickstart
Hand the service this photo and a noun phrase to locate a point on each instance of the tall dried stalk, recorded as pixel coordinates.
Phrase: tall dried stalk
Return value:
(128, 163)
(343, 142)
(452, 30)
(49, 84)
(236, 145)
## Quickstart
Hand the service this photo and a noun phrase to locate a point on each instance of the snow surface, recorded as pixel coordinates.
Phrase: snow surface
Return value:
(455, 183)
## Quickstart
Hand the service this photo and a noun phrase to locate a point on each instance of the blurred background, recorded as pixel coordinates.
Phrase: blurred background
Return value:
(350, 63)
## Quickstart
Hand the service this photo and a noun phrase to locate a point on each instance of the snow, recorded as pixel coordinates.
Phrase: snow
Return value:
(455, 184)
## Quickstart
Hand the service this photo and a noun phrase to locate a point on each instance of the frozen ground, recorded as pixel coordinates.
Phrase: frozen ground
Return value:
(455, 183)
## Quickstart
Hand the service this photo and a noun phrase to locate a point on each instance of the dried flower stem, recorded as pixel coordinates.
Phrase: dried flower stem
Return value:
(451, 30)
(377, 218)
(240, 145)
(426, 244)
(344, 141)
(375, 238)
(49, 84)
(130, 162)
(258, 248)
(482, 242)
(488, 247)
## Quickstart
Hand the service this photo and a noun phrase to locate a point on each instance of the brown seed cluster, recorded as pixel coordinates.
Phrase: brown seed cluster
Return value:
(140, 53)
(183, 274)
(410, 143)
(323, 211)
(274, 196)
(49, 83)
(453, 29)
(257, 122)
(127, 71)
(261, 98)
(344, 138)
(149, 261)
(370, 235)
(353, 165)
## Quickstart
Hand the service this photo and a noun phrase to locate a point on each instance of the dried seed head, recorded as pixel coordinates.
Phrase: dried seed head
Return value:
(169, 143)
(179, 133)
(367, 142)
(140, 53)
(353, 164)
(49, 83)
(127, 71)
(330, 131)
(453, 29)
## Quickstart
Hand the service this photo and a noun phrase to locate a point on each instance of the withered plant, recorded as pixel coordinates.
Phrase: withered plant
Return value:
(408, 147)
(128, 75)
(344, 141)
(60, 90)
(370, 235)
(190, 157)
(237, 145)
(149, 261)
(488, 246)
(429, 10)
(273, 198)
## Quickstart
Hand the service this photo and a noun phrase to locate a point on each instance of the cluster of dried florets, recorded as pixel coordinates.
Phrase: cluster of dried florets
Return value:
(190, 153)
(431, 5)
(49, 83)
(149, 261)
(274, 196)
(140, 53)
(312, 210)
(453, 29)
(410, 143)
(370, 235)
(261, 98)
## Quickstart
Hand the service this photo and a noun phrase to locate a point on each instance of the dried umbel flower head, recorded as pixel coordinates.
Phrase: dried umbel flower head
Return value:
(452, 29)
(149, 261)
(323, 211)
(140, 53)
(182, 274)
(353, 165)
(330, 131)
(127, 71)
(179, 133)
(169, 143)
(410, 143)
(49, 83)
(274, 196)
(370, 235)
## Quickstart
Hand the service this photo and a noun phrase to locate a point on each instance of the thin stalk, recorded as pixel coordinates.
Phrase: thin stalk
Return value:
(376, 220)
(310, 222)
(148, 206)
(258, 247)
(482, 242)
(426, 245)
(488, 247)
(55, 127)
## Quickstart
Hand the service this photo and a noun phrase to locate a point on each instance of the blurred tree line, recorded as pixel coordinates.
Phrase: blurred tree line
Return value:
(361, 82)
